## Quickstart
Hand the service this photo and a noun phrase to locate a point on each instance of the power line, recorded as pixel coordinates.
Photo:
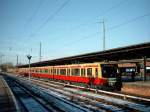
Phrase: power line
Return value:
(115, 6)
(34, 13)
(48, 19)
(62, 6)
(40, 56)
(85, 24)
(114, 27)
(129, 21)
(77, 41)
(104, 13)
(51, 17)
(119, 25)
(73, 42)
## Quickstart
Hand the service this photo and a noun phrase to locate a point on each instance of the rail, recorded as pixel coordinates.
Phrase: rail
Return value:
(8, 101)
(58, 103)
(105, 102)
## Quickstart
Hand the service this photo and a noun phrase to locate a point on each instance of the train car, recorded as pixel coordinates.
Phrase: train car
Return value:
(97, 74)
(23, 71)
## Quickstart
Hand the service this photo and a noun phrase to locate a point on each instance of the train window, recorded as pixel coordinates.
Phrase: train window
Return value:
(57, 71)
(63, 71)
(109, 71)
(68, 72)
(46, 70)
(83, 72)
(76, 72)
(129, 70)
(96, 72)
(89, 72)
(40, 71)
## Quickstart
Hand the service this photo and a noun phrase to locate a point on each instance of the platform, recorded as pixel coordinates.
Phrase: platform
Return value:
(139, 88)
(7, 99)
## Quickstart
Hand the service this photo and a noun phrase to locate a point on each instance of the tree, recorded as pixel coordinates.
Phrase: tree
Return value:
(6, 66)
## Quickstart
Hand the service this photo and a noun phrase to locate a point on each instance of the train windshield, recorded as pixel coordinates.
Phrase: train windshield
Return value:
(109, 70)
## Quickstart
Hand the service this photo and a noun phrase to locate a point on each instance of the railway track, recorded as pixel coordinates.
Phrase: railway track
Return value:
(7, 99)
(114, 94)
(32, 98)
(92, 101)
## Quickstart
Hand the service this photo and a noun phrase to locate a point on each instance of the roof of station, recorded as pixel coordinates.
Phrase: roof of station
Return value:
(137, 51)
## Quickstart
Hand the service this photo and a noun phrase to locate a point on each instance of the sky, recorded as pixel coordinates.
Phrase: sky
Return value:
(69, 27)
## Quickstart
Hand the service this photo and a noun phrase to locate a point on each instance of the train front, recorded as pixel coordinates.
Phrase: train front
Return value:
(109, 72)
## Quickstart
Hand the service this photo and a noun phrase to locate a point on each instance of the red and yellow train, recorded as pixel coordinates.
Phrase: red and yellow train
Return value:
(97, 74)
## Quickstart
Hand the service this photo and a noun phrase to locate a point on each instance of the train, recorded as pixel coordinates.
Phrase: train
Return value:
(97, 75)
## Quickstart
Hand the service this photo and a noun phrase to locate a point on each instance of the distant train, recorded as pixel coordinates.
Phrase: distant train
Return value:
(99, 74)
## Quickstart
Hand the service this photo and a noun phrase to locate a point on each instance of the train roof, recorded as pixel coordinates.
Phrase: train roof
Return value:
(137, 51)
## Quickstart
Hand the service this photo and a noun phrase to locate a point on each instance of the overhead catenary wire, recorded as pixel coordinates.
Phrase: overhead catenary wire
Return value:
(105, 12)
(29, 21)
(124, 23)
(50, 17)
(74, 42)
(83, 24)
(129, 21)
(102, 14)
(114, 7)
(47, 20)
(111, 28)
(62, 6)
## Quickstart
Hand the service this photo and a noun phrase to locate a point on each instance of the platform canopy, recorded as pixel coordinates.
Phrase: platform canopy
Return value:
(138, 51)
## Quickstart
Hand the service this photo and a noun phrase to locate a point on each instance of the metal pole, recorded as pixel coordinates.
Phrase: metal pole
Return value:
(144, 68)
(1, 56)
(17, 60)
(29, 58)
(103, 34)
(103, 22)
(29, 71)
(16, 68)
(40, 52)
(1, 59)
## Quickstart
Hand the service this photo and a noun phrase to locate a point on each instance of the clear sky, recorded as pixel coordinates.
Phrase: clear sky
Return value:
(69, 27)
